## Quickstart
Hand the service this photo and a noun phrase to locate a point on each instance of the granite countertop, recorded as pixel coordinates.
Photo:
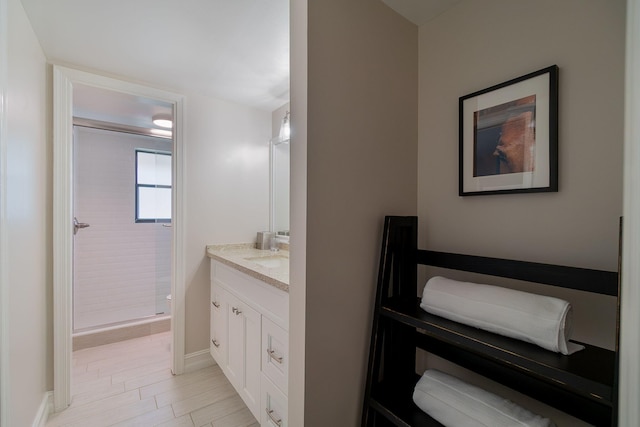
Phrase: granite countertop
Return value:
(271, 267)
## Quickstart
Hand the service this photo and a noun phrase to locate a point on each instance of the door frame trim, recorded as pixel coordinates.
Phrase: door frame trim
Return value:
(63, 80)
(5, 407)
(629, 383)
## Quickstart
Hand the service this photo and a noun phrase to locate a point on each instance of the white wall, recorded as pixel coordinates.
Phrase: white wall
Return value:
(227, 193)
(26, 226)
(478, 44)
(120, 267)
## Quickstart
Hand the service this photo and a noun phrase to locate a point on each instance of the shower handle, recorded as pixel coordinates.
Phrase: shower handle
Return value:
(78, 225)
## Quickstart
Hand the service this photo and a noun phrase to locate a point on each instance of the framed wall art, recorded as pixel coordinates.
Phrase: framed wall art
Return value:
(509, 136)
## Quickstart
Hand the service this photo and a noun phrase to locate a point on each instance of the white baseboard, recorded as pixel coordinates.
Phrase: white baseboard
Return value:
(198, 360)
(44, 410)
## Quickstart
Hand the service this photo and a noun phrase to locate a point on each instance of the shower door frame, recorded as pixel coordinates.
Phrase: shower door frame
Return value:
(63, 80)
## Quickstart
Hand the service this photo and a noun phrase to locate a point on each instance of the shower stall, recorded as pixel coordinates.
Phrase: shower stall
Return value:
(122, 247)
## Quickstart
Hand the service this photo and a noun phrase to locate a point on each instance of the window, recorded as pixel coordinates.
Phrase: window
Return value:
(153, 186)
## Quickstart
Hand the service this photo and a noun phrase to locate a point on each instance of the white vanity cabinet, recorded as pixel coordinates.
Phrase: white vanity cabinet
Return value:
(250, 340)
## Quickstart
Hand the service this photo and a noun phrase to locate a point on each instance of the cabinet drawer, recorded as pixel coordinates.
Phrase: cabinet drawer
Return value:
(275, 354)
(263, 297)
(273, 405)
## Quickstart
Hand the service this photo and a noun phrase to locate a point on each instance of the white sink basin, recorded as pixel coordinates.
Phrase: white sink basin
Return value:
(272, 261)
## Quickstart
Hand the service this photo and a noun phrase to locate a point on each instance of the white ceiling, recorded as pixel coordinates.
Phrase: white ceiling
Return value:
(230, 49)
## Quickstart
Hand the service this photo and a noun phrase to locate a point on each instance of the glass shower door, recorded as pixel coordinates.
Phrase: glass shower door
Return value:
(122, 263)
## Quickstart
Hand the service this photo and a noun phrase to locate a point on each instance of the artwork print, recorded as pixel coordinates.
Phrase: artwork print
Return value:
(505, 138)
(508, 136)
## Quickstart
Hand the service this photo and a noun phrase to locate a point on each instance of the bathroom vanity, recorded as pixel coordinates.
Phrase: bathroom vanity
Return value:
(250, 326)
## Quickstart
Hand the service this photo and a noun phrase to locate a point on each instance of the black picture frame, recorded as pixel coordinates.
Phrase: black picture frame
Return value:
(508, 136)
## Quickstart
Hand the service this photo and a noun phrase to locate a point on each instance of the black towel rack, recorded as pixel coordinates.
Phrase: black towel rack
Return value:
(583, 384)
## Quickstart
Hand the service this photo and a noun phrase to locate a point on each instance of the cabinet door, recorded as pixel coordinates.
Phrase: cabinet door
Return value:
(218, 329)
(252, 360)
(235, 339)
(243, 363)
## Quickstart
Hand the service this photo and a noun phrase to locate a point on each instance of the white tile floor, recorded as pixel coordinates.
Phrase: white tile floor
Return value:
(129, 383)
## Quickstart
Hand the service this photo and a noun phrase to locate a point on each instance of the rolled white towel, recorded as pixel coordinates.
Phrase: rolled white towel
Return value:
(455, 403)
(541, 320)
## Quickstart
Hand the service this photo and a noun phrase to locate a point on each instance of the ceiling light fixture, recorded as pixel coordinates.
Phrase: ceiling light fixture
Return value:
(163, 120)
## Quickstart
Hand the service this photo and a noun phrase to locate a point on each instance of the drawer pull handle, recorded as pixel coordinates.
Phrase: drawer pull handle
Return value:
(216, 343)
(272, 354)
(236, 311)
(216, 304)
(276, 421)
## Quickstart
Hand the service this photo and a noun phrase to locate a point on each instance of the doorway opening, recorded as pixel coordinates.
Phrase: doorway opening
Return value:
(106, 112)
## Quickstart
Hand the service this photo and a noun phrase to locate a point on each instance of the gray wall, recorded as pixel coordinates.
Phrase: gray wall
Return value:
(479, 44)
(361, 165)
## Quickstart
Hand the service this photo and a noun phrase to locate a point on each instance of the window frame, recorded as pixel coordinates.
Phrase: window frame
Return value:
(137, 186)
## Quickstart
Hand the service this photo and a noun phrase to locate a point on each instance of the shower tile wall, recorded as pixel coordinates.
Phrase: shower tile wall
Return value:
(121, 268)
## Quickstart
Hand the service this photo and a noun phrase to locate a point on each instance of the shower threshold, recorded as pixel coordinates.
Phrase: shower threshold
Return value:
(120, 331)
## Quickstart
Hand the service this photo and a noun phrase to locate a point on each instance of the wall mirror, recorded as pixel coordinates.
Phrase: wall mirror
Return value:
(280, 188)
(280, 166)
